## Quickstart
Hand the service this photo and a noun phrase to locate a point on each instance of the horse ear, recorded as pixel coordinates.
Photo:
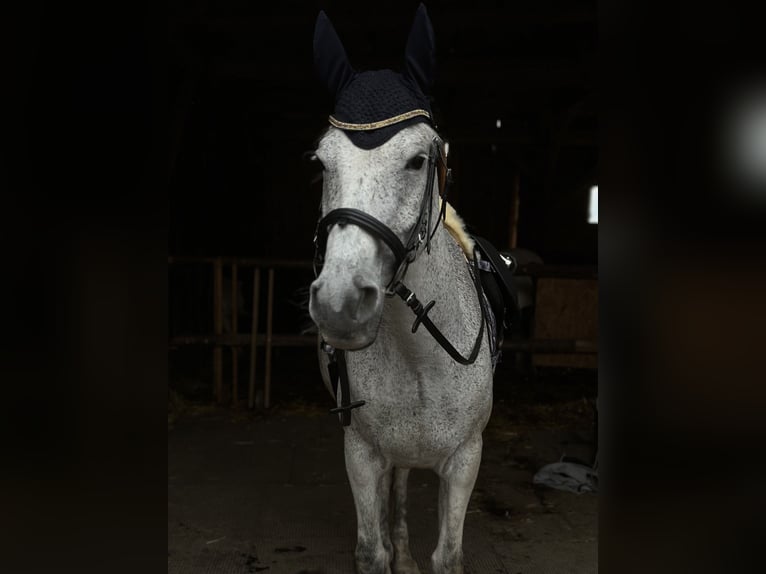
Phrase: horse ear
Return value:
(420, 60)
(330, 61)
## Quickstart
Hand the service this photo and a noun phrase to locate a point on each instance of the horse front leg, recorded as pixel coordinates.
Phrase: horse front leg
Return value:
(370, 479)
(457, 477)
(384, 499)
(403, 561)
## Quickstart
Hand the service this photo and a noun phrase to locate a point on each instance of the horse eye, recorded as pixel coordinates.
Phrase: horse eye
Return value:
(416, 162)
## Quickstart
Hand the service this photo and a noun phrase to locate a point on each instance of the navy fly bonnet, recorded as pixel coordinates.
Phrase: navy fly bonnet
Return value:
(370, 107)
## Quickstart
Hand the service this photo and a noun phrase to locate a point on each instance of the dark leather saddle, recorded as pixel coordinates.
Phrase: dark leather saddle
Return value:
(497, 270)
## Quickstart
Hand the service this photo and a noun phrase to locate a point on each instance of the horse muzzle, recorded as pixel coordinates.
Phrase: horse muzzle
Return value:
(347, 315)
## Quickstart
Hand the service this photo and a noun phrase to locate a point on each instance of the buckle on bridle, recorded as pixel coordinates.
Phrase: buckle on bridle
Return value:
(348, 408)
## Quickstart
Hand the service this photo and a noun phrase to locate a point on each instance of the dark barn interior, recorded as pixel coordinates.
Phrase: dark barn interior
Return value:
(255, 464)
(247, 105)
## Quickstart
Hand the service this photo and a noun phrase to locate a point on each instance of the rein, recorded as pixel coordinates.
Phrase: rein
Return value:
(404, 255)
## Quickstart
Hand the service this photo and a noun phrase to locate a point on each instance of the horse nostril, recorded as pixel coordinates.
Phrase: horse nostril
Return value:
(315, 287)
(368, 301)
(369, 298)
(357, 302)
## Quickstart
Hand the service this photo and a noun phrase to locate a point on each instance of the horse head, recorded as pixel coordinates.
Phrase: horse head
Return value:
(375, 160)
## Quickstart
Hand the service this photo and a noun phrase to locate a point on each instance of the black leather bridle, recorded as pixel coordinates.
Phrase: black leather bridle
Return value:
(404, 255)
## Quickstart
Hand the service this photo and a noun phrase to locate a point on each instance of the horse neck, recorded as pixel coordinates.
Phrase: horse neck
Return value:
(441, 275)
(438, 266)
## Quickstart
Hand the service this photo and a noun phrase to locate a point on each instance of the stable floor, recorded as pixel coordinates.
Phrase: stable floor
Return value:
(268, 493)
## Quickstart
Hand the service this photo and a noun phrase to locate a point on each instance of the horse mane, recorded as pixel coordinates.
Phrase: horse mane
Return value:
(456, 227)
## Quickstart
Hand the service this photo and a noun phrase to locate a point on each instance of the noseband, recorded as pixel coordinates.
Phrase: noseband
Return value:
(404, 255)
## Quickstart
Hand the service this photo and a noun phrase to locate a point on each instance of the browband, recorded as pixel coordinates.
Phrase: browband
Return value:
(380, 124)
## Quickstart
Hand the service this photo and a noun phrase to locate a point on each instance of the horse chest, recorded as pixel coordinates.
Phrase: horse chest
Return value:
(411, 442)
(418, 418)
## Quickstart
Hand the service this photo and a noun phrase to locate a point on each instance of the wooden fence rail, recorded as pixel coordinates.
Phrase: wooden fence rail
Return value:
(236, 341)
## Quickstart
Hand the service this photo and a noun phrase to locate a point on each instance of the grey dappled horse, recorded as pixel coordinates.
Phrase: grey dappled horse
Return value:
(422, 408)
